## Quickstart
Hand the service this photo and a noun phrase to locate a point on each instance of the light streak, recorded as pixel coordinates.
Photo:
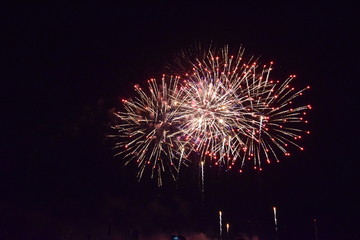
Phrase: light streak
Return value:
(227, 230)
(275, 220)
(220, 225)
(202, 177)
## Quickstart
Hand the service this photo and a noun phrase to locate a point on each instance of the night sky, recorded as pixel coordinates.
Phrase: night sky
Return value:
(64, 69)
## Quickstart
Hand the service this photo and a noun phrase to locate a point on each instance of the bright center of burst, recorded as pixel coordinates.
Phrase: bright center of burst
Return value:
(204, 116)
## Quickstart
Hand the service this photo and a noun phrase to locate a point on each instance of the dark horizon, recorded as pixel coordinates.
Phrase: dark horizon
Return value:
(66, 68)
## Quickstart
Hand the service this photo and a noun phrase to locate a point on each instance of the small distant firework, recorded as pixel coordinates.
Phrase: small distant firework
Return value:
(221, 110)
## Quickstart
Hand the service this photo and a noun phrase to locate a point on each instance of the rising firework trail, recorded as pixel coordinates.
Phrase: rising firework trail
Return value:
(316, 230)
(202, 182)
(275, 222)
(227, 231)
(220, 225)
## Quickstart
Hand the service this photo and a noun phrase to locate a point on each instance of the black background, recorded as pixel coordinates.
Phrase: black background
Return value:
(66, 67)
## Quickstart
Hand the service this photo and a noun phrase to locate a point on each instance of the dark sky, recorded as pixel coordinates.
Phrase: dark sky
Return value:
(64, 68)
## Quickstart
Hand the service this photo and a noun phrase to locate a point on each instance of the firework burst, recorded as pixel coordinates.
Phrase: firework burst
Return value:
(147, 133)
(222, 109)
(275, 122)
(231, 110)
